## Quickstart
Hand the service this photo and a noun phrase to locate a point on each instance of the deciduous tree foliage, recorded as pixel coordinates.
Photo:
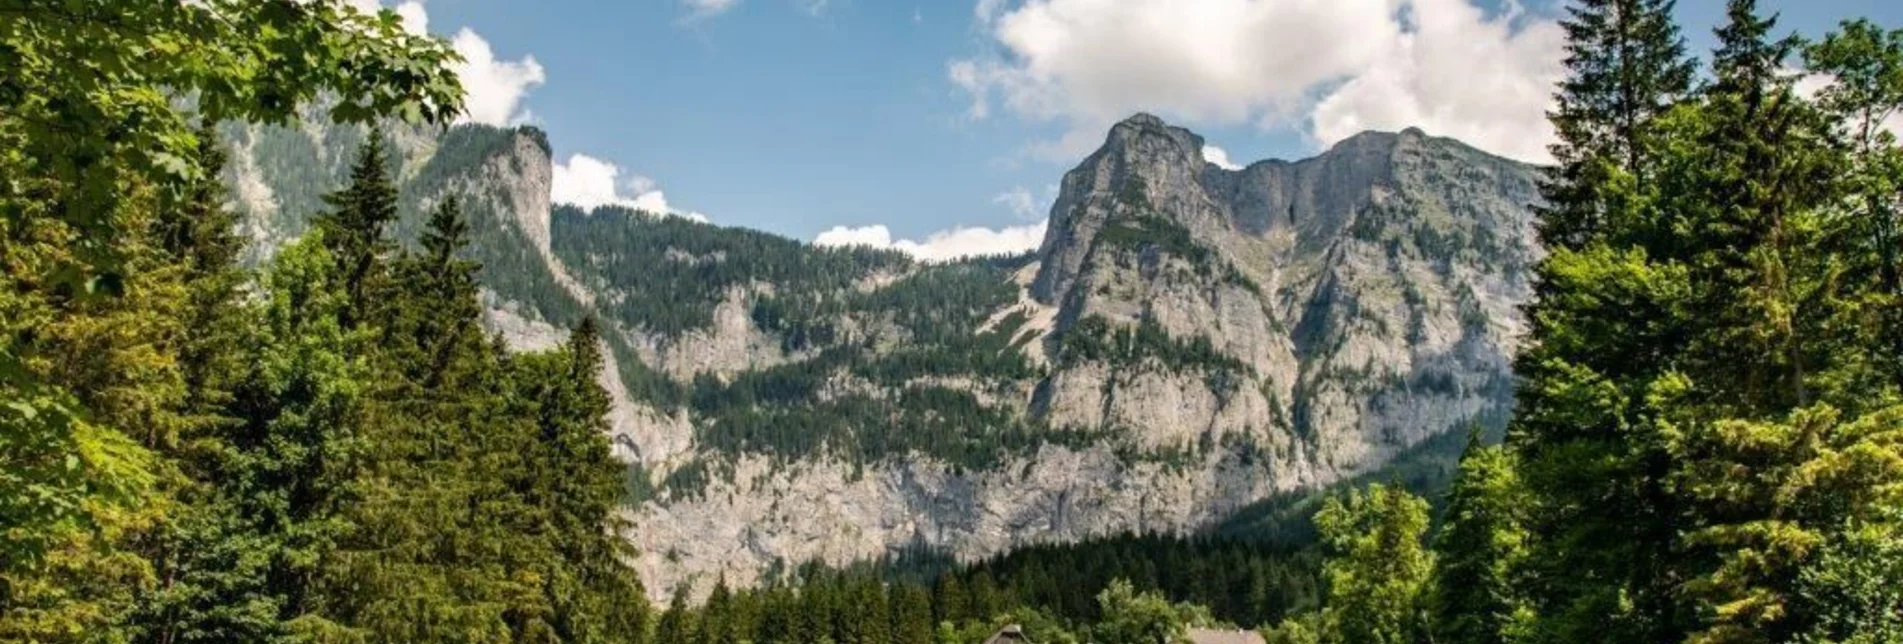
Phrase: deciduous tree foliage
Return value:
(1377, 573)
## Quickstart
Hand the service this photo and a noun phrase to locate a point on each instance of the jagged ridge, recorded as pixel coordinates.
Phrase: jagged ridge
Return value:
(1187, 340)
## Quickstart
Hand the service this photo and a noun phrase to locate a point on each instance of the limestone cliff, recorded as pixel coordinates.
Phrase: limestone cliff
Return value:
(1187, 340)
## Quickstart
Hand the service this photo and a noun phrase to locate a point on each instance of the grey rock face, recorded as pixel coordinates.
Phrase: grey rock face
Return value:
(1373, 290)
(1369, 295)
(1230, 334)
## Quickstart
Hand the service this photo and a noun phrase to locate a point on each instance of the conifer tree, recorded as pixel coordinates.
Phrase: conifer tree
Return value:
(1477, 594)
(1628, 66)
(356, 230)
(297, 446)
(911, 614)
(207, 561)
(950, 603)
(1698, 354)
(717, 623)
(677, 622)
(1627, 72)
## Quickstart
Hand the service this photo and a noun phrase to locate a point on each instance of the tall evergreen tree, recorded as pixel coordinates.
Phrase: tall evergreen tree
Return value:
(717, 619)
(1607, 508)
(911, 614)
(1477, 592)
(297, 450)
(1698, 353)
(208, 563)
(356, 230)
(677, 622)
(1628, 66)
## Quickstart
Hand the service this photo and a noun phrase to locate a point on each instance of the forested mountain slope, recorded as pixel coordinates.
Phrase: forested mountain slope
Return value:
(1187, 341)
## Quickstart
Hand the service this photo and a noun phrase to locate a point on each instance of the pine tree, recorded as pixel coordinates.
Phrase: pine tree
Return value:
(208, 564)
(1607, 510)
(911, 615)
(677, 622)
(571, 485)
(356, 230)
(1698, 354)
(1627, 66)
(717, 620)
(949, 601)
(199, 235)
(1477, 595)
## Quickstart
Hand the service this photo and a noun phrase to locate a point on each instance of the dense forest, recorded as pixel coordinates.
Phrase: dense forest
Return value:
(327, 448)
(203, 443)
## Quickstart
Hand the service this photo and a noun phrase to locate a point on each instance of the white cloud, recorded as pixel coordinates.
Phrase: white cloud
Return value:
(1460, 74)
(942, 245)
(590, 183)
(1019, 201)
(414, 17)
(1809, 85)
(493, 89)
(987, 9)
(1443, 65)
(708, 8)
(1219, 157)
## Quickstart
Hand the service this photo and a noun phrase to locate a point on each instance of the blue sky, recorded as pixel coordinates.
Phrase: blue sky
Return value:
(797, 116)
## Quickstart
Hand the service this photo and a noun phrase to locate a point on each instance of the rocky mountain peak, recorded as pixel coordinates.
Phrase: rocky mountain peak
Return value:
(1200, 337)
(1145, 134)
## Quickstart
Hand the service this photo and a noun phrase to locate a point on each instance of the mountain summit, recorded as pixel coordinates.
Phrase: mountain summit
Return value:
(1187, 340)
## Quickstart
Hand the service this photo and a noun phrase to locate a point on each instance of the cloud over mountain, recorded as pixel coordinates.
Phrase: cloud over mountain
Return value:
(1329, 69)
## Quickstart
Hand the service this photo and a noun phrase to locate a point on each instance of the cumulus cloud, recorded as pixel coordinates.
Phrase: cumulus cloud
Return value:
(1219, 157)
(1324, 67)
(588, 183)
(943, 245)
(493, 89)
(1458, 73)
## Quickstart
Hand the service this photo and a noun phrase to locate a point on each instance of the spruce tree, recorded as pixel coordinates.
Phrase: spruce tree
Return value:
(911, 614)
(1477, 595)
(355, 230)
(717, 620)
(297, 445)
(208, 562)
(1607, 512)
(1627, 66)
(1692, 361)
(677, 622)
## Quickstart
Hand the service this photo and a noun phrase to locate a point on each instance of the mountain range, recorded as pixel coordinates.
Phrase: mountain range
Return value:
(1187, 341)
